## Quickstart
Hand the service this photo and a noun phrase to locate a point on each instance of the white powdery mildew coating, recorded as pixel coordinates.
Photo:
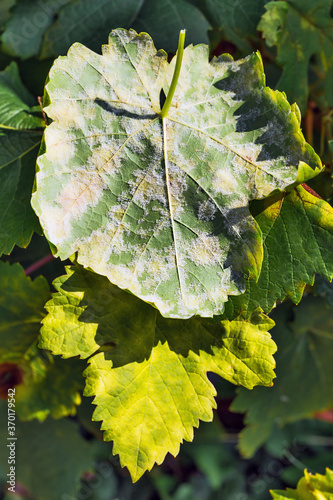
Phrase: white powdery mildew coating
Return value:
(60, 147)
(83, 190)
(205, 250)
(207, 210)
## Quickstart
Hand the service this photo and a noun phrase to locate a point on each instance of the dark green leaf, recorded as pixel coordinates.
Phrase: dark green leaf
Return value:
(301, 29)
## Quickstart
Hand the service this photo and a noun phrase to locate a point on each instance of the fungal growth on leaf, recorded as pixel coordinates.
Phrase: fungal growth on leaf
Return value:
(157, 200)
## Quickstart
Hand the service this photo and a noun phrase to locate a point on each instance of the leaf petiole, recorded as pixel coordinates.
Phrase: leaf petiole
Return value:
(176, 73)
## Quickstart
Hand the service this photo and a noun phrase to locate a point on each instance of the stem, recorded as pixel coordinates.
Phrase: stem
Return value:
(40, 263)
(175, 77)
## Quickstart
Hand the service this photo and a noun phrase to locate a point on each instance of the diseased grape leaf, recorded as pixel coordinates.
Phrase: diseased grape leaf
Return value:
(49, 385)
(148, 373)
(309, 487)
(20, 136)
(297, 230)
(160, 206)
(50, 457)
(301, 29)
(304, 373)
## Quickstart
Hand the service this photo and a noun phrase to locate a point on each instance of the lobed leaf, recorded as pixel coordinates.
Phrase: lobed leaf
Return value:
(301, 30)
(149, 373)
(304, 374)
(297, 230)
(160, 206)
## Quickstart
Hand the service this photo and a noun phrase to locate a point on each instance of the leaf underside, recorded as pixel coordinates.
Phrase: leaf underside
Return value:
(149, 373)
(160, 207)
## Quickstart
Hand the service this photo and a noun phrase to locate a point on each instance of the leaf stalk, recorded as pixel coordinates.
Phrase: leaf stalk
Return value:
(176, 73)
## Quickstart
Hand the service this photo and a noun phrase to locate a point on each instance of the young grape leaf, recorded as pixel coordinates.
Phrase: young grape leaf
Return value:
(309, 487)
(149, 373)
(20, 136)
(46, 453)
(304, 374)
(160, 205)
(301, 29)
(49, 385)
(297, 232)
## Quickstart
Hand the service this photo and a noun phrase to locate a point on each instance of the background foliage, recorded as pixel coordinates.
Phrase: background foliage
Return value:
(286, 426)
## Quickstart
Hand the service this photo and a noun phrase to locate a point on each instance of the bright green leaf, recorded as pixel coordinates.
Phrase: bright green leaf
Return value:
(148, 373)
(20, 136)
(301, 29)
(309, 487)
(50, 385)
(298, 240)
(160, 206)
(303, 369)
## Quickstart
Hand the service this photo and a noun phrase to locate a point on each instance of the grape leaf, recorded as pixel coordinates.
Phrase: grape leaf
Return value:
(164, 20)
(20, 136)
(148, 373)
(28, 21)
(301, 29)
(87, 22)
(49, 385)
(46, 453)
(237, 20)
(297, 232)
(32, 30)
(309, 487)
(21, 311)
(304, 374)
(4, 11)
(160, 206)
